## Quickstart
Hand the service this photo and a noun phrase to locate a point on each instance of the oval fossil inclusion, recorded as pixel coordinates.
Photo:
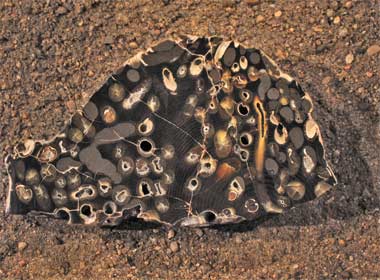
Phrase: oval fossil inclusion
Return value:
(194, 132)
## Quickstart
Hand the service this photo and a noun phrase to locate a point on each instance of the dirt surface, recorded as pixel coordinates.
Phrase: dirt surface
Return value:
(53, 54)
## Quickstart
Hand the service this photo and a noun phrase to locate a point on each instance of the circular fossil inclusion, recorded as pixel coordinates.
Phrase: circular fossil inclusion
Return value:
(194, 132)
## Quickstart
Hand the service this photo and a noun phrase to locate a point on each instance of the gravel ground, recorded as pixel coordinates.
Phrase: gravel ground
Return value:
(54, 54)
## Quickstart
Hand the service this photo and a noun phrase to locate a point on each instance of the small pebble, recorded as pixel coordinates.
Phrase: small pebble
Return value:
(342, 242)
(329, 12)
(336, 20)
(238, 240)
(174, 247)
(348, 4)
(171, 234)
(21, 246)
(259, 19)
(133, 45)
(349, 58)
(372, 50)
(277, 14)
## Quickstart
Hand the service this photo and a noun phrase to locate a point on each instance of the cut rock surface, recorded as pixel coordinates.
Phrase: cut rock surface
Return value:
(194, 132)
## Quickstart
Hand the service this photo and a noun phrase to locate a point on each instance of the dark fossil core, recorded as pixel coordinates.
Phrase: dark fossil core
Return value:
(193, 132)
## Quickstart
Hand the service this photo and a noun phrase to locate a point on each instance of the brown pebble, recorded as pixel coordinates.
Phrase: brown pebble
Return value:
(171, 234)
(349, 58)
(133, 45)
(372, 50)
(329, 12)
(277, 14)
(348, 4)
(174, 247)
(342, 242)
(238, 240)
(21, 246)
(336, 20)
(259, 19)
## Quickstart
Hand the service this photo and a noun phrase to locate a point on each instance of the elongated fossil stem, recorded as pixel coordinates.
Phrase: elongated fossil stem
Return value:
(262, 136)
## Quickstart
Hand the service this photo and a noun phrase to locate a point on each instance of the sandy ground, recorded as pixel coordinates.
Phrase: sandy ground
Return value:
(53, 54)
